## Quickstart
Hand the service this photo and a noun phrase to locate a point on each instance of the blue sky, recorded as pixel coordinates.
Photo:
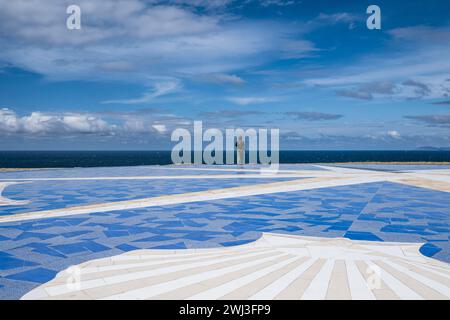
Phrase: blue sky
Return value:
(138, 69)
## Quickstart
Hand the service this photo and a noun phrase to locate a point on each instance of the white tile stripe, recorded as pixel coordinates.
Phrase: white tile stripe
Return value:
(276, 287)
(230, 168)
(436, 269)
(180, 177)
(9, 202)
(318, 287)
(169, 254)
(62, 289)
(401, 290)
(146, 254)
(442, 289)
(224, 289)
(357, 283)
(150, 291)
(163, 261)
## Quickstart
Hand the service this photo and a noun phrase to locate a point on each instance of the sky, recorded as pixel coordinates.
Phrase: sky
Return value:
(138, 69)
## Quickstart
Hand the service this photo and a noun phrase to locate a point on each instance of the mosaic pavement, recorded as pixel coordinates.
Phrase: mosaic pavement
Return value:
(52, 220)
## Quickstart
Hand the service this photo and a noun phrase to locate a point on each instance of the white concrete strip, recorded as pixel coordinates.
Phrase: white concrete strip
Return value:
(178, 177)
(244, 169)
(345, 170)
(358, 285)
(150, 291)
(426, 176)
(400, 289)
(9, 202)
(158, 260)
(147, 254)
(441, 288)
(441, 271)
(272, 290)
(220, 291)
(318, 287)
(89, 284)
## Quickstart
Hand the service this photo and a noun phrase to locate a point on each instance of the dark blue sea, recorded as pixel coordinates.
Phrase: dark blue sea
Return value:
(55, 159)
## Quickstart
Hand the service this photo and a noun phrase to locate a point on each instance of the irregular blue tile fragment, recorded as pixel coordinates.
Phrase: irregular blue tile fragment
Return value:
(126, 247)
(359, 235)
(8, 262)
(38, 275)
(429, 249)
(178, 245)
(235, 243)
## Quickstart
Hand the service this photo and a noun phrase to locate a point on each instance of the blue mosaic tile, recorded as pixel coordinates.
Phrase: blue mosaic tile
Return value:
(94, 246)
(126, 247)
(36, 235)
(9, 262)
(117, 233)
(429, 249)
(406, 229)
(69, 249)
(74, 234)
(154, 239)
(38, 275)
(368, 236)
(235, 243)
(178, 245)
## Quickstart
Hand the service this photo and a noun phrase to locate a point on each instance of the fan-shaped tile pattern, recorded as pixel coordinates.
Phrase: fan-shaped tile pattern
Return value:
(273, 267)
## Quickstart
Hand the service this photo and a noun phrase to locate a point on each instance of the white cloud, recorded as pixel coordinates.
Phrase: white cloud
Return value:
(117, 66)
(42, 21)
(161, 128)
(336, 17)
(8, 121)
(222, 78)
(244, 101)
(415, 70)
(39, 123)
(280, 3)
(419, 74)
(159, 89)
(206, 4)
(368, 91)
(84, 123)
(295, 49)
(132, 39)
(45, 123)
(133, 124)
(427, 34)
(394, 134)
(325, 19)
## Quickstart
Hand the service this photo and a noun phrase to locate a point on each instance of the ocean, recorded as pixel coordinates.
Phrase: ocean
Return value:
(69, 159)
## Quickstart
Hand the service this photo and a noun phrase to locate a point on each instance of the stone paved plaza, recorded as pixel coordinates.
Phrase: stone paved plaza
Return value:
(172, 232)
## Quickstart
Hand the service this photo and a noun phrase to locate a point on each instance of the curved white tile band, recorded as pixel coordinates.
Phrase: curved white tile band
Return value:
(8, 202)
(273, 267)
